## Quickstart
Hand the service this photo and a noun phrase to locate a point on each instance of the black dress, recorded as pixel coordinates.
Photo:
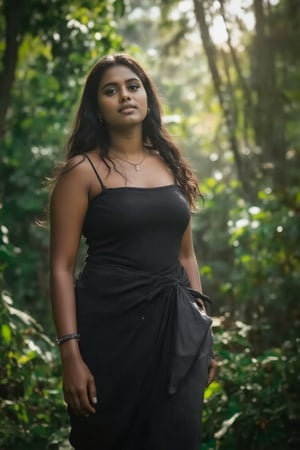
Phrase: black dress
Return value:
(142, 336)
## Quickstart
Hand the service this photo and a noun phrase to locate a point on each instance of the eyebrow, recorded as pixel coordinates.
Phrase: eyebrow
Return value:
(114, 83)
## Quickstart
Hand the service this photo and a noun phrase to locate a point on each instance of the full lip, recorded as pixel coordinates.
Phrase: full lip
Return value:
(126, 107)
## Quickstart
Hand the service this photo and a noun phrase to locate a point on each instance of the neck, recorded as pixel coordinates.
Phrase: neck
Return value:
(129, 147)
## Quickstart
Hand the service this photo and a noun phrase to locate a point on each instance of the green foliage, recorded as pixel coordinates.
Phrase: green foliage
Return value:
(6, 250)
(254, 255)
(33, 415)
(266, 268)
(251, 257)
(254, 404)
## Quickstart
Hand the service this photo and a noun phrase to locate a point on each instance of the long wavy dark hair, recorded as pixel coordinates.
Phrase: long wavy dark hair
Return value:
(89, 133)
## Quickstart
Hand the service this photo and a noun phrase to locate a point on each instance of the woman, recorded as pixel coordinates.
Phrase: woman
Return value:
(136, 351)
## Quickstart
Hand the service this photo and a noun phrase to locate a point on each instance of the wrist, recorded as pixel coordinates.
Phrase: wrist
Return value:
(70, 349)
(67, 337)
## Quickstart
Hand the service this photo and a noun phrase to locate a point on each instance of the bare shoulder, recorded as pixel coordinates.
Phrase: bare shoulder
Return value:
(81, 166)
(69, 201)
(80, 171)
(99, 162)
(74, 176)
(77, 164)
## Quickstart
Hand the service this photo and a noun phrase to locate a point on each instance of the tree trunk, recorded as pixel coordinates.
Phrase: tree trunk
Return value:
(211, 54)
(13, 15)
(269, 120)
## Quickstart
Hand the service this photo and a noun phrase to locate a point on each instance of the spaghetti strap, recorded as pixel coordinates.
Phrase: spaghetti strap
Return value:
(96, 173)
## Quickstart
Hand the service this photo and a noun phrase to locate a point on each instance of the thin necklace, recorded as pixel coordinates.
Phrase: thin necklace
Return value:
(136, 165)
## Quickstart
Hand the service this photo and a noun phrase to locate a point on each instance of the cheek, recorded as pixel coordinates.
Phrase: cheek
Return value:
(145, 97)
(105, 106)
(144, 100)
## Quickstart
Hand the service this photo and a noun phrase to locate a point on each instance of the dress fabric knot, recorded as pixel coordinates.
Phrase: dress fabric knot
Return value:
(192, 332)
(193, 336)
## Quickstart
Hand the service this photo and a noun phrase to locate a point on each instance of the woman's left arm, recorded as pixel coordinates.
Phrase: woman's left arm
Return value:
(188, 260)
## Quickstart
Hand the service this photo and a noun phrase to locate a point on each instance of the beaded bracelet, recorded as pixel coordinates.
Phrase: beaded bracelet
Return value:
(67, 337)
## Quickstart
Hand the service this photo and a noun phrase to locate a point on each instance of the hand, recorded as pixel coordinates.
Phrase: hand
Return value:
(79, 386)
(201, 305)
(212, 370)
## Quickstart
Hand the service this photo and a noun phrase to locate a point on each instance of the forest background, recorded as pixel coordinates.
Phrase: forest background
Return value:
(229, 73)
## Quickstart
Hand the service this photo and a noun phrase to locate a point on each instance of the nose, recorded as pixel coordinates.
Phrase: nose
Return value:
(124, 95)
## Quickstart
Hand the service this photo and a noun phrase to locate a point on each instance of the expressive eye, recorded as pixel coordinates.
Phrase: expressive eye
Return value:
(133, 87)
(110, 91)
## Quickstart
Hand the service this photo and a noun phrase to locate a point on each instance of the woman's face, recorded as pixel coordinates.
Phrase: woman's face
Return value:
(122, 99)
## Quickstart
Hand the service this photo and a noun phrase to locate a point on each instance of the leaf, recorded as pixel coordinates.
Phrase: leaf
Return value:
(6, 333)
(119, 8)
(28, 357)
(226, 425)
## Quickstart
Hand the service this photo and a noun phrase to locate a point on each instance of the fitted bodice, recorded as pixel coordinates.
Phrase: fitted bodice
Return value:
(136, 227)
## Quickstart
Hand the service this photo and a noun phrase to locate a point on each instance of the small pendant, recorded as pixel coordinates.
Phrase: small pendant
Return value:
(137, 167)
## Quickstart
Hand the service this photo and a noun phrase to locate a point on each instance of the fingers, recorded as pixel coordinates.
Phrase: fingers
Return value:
(92, 391)
(86, 404)
(81, 399)
(79, 403)
(201, 305)
(73, 402)
(212, 371)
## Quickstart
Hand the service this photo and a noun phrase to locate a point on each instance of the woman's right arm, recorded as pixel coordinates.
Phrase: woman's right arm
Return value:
(68, 206)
